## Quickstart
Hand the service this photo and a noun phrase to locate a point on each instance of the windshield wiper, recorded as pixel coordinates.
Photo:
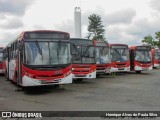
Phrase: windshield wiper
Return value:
(58, 55)
(87, 49)
(39, 49)
(84, 55)
(76, 49)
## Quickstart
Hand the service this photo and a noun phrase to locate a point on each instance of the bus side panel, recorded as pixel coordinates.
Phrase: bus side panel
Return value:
(12, 69)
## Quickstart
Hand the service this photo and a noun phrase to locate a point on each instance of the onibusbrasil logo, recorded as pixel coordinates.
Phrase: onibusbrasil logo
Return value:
(6, 115)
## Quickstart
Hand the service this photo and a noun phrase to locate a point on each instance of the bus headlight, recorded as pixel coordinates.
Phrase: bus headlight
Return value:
(25, 72)
(30, 75)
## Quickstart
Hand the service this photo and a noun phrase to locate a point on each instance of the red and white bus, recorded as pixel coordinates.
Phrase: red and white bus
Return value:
(38, 58)
(156, 57)
(103, 60)
(83, 59)
(140, 58)
(120, 61)
(1, 58)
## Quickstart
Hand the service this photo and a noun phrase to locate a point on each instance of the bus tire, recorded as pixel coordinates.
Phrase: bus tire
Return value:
(57, 86)
(138, 72)
(79, 79)
(97, 75)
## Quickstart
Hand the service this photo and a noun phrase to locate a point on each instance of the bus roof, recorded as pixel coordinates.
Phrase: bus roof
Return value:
(81, 41)
(118, 44)
(157, 49)
(100, 42)
(135, 46)
(22, 34)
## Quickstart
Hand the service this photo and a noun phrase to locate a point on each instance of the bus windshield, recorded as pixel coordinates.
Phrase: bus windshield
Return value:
(82, 54)
(157, 55)
(120, 54)
(102, 55)
(143, 56)
(47, 53)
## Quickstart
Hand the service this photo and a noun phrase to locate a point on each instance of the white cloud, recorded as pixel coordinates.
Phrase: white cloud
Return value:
(120, 17)
(2, 17)
(125, 21)
(14, 7)
(12, 23)
(67, 26)
(155, 4)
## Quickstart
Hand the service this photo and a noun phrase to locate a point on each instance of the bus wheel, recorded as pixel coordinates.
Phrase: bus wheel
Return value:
(97, 75)
(138, 72)
(79, 79)
(57, 86)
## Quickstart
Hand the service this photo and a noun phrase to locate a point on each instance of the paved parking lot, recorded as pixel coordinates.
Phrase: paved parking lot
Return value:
(124, 92)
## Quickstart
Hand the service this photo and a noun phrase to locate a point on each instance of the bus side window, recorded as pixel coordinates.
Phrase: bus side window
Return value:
(10, 53)
(13, 50)
(16, 50)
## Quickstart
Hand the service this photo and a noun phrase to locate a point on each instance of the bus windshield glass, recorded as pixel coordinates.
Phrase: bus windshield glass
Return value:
(102, 55)
(119, 53)
(143, 56)
(157, 55)
(1, 54)
(47, 53)
(82, 54)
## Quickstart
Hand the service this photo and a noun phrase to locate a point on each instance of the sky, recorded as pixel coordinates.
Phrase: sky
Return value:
(125, 21)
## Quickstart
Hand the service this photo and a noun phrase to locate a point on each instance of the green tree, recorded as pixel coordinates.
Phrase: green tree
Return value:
(150, 41)
(96, 29)
(158, 38)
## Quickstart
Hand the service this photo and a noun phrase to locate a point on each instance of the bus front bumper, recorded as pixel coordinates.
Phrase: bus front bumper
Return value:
(88, 76)
(106, 71)
(138, 68)
(156, 65)
(27, 81)
(127, 69)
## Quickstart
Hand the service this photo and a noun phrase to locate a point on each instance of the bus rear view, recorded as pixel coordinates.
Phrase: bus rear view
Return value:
(83, 58)
(120, 58)
(140, 58)
(103, 60)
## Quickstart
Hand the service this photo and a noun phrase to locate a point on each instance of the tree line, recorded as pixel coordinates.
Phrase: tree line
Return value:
(152, 41)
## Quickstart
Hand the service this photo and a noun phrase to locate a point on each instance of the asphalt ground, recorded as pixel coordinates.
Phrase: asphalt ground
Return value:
(124, 92)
